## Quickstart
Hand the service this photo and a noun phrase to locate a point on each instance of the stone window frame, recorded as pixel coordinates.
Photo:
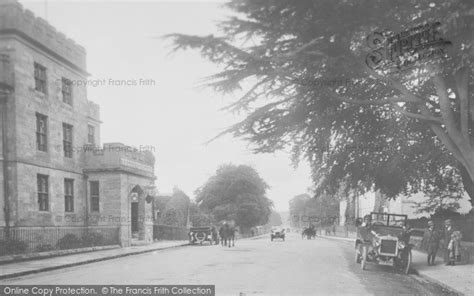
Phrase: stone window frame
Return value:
(41, 134)
(42, 182)
(67, 91)
(90, 136)
(69, 195)
(95, 195)
(41, 78)
(68, 132)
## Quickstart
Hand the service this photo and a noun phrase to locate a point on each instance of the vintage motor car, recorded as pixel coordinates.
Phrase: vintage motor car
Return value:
(383, 238)
(199, 235)
(277, 232)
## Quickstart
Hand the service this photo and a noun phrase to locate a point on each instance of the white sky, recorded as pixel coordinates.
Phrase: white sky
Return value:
(173, 116)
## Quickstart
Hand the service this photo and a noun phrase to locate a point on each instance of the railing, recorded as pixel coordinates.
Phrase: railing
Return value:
(36, 237)
(166, 232)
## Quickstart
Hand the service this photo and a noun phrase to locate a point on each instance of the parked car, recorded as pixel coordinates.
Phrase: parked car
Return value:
(277, 232)
(199, 235)
(383, 239)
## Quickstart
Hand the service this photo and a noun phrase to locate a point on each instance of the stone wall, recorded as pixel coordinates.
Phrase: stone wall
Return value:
(14, 19)
(25, 159)
(115, 204)
(25, 206)
(27, 40)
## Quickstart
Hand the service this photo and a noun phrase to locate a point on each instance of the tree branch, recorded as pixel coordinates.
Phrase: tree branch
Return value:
(389, 100)
(300, 49)
(417, 116)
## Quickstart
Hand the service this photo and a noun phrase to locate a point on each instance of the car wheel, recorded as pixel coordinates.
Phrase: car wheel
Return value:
(357, 255)
(405, 263)
(363, 259)
(200, 237)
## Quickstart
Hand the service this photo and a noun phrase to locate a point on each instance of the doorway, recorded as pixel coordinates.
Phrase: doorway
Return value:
(134, 218)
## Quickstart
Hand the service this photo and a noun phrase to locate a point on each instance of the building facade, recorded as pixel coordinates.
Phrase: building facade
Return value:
(55, 172)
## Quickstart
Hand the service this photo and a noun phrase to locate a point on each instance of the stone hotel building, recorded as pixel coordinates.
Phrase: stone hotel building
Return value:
(56, 176)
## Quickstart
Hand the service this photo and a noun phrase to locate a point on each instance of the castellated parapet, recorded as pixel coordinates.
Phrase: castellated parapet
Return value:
(16, 20)
(93, 111)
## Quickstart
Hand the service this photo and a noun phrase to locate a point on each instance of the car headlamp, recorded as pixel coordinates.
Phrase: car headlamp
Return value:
(401, 245)
(377, 239)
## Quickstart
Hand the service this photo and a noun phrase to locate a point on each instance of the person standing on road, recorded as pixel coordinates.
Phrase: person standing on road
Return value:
(452, 239)
(430, 242)
(454, 247)
(222, 233)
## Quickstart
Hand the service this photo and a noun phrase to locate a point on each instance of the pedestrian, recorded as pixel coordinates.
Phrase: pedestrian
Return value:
(451, 242)
(430, 242)
(454, 247)
(222, 233)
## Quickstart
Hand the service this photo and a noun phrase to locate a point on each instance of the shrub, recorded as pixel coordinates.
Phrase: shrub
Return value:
(12, 246)
(44, 248)
(92, 239)
(69, 241)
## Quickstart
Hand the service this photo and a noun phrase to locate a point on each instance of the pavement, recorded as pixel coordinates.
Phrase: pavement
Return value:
(253, 267)
(52, 253)
(16, 269)
(459, 278)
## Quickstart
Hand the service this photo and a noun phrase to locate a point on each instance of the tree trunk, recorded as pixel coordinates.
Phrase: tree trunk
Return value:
(467, 183)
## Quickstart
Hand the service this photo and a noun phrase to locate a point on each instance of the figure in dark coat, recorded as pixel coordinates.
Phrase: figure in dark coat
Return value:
(222, 233)
(430, 242)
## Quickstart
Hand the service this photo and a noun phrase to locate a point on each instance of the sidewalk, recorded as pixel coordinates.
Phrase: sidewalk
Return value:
(28, 267)
(459, 278)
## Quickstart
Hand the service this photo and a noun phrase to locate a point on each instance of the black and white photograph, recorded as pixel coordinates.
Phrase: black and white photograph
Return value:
(236, 147)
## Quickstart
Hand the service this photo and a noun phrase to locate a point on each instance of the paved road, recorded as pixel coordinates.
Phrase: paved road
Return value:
(253, 267)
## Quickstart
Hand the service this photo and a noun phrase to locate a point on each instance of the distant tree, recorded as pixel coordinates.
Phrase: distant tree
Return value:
(323, 209)
(298, 208)
(198, 217)
(298, 204)
(176, 209)
(236, 193)
(307, 87)
(172, 217)
(275, 219)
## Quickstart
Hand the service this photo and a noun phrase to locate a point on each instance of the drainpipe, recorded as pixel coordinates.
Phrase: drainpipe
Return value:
(86, 212)
(6, 189)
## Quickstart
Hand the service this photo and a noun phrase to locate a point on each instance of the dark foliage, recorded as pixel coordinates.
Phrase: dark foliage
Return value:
(69, 241)
(92, 239)
(308, 89)
(12, 246)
